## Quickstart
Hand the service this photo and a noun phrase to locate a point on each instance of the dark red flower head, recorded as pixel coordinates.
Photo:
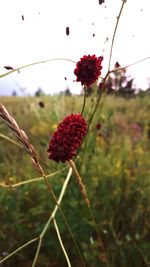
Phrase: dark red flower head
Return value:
(67, 138)
(98, 126)
(88, 69)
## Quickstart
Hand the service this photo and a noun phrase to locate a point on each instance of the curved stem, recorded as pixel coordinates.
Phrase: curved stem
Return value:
(84, 100)
(31, 180)
(130, 65)
(35, 63)
(114, 34)
(61, 243)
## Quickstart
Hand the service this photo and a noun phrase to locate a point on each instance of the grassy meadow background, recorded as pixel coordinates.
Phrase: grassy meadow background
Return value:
(115, 165)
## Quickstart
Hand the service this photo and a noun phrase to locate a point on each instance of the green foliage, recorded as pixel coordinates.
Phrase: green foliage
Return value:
(114, 164)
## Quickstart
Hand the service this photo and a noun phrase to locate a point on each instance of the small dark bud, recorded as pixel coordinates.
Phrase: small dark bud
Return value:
(41, 104)
(8, 68)
(98, 126)
(101, 1)
(67, 31)
(117, 65)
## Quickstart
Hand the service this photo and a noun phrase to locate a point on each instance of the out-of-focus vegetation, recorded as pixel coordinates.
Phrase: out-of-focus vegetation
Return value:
(114, 164)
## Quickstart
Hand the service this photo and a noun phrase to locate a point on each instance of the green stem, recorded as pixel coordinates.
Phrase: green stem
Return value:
(35, 63)
(18, 249)
(71, 234)
(61, 243)
(41, 239)
(31, 180)
(51, 217)
(57, 206)
(84, 100)
(114, 34)
(98, 101)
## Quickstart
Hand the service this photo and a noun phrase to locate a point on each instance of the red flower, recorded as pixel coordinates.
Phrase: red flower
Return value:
(88, 69)
(67, 138)
(98, 126)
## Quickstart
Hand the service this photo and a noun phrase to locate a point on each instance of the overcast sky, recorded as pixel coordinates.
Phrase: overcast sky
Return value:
(36, 30)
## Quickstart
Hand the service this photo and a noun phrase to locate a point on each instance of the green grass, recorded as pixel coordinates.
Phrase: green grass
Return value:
(114, 164)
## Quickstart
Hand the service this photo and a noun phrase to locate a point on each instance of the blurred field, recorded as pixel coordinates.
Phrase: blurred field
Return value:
(114, 164)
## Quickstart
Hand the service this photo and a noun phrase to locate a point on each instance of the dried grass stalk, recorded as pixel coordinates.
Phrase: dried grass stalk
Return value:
(21, 136)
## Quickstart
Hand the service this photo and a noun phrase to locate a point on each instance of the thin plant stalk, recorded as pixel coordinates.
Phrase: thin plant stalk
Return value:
(130, 65)
(23, 139)
(107, 75)
(18, 249)
(80, 183)
(10, 140)
(114, 34)
(53, 216)
(33, 64)
(84, 99)
(31, 180)
(61, 243)
(98, 101)
(19, 145)
(87, 201)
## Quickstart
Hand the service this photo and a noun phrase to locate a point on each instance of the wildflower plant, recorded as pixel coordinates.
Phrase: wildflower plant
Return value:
(67, 138)
(88, 69)
(63, 147)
